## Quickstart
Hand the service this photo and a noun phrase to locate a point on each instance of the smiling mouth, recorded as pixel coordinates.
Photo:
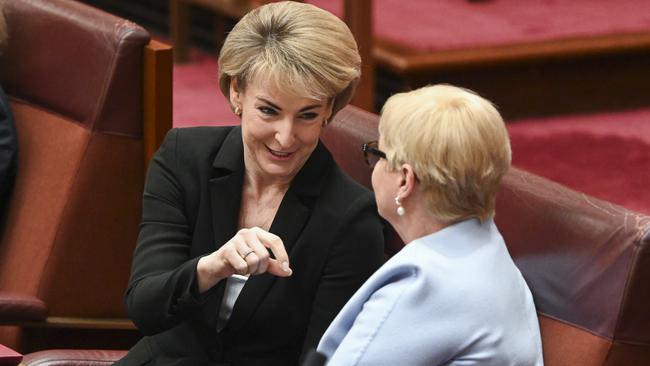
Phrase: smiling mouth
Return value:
(280, 154)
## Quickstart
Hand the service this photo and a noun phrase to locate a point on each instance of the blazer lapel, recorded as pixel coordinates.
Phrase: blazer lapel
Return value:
(226, 187)
(288, 224)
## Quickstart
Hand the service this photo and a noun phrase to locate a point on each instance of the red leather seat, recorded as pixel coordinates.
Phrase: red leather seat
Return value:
(74, 76)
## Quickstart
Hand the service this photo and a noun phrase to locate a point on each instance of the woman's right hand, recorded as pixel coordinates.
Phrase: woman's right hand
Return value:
(245, 254)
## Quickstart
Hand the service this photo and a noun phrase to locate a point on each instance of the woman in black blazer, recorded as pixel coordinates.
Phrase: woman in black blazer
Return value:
(252, 238)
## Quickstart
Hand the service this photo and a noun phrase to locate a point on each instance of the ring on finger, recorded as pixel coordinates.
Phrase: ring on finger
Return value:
(249, 252)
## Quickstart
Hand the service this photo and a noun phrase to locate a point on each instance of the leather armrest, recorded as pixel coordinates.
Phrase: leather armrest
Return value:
(18, 307)
(72, 357)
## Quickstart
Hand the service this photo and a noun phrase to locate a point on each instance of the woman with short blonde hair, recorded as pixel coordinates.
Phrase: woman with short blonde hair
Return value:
(452, 295)
(252, 238)
(457, 144)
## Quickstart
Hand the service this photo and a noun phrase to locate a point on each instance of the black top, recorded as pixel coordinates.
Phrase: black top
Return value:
(329, 226)
(8, 149)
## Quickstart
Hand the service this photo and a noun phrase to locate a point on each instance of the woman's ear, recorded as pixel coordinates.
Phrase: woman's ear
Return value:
(408, 181)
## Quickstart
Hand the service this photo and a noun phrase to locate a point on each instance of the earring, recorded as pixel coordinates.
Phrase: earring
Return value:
(325, 123)
(237, 111)
(400, 210)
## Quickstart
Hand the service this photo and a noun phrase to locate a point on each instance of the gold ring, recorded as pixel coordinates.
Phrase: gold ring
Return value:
(243, 256)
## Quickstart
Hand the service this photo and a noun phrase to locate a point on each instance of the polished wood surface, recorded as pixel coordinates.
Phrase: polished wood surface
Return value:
(358, 16)
(83, 323)
(179, 29)
(157, 96)
(407, 60)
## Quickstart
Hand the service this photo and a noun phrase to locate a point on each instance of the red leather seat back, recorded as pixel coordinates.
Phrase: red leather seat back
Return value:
(587, 263)
(76, 61)
(74, 76)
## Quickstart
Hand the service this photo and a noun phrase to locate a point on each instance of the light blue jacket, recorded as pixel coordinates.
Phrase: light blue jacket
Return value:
(453, 297)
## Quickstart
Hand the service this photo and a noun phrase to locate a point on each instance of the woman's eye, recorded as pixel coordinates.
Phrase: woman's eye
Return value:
(309, 116)
(267, 110)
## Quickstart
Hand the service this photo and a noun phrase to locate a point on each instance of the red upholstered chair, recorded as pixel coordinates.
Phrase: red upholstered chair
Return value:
(586, 261)
(89, 92)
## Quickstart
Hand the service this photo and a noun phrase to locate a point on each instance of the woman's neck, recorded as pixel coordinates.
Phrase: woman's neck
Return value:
(417, 222)
(259, 184)
(256, 186)
(418, 227)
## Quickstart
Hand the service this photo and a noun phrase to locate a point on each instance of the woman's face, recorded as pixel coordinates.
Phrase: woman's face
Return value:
(280, 131)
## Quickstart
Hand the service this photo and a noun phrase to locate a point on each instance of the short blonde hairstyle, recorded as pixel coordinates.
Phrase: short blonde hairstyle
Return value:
(457, 144)
(294, 47)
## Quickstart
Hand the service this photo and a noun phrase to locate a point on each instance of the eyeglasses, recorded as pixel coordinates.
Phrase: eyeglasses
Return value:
(372, 153)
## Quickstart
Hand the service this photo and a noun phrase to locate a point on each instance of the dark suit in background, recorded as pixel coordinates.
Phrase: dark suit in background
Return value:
(327, 222)
(8, 152)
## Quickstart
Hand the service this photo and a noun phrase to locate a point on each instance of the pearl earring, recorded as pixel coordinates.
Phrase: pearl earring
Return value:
(400, 210)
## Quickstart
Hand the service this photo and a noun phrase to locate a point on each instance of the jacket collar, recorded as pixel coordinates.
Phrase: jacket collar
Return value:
(230, 157)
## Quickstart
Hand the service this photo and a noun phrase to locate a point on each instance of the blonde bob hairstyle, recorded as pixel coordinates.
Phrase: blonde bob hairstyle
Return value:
(457, 144)
(293, 47)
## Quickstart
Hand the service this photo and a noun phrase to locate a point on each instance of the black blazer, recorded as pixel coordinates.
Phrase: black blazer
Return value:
(329, 226)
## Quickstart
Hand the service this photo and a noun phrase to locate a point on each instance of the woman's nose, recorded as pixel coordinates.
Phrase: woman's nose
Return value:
(284, 133)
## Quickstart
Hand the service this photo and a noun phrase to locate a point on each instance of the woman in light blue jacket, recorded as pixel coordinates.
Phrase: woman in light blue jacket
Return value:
(452, 295)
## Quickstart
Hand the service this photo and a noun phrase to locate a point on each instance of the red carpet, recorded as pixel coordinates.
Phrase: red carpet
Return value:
(197, 98)
(609, 167)
(604, 155)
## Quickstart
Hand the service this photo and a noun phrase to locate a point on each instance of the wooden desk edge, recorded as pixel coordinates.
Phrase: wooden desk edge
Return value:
(82, 323)
(403, 59)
